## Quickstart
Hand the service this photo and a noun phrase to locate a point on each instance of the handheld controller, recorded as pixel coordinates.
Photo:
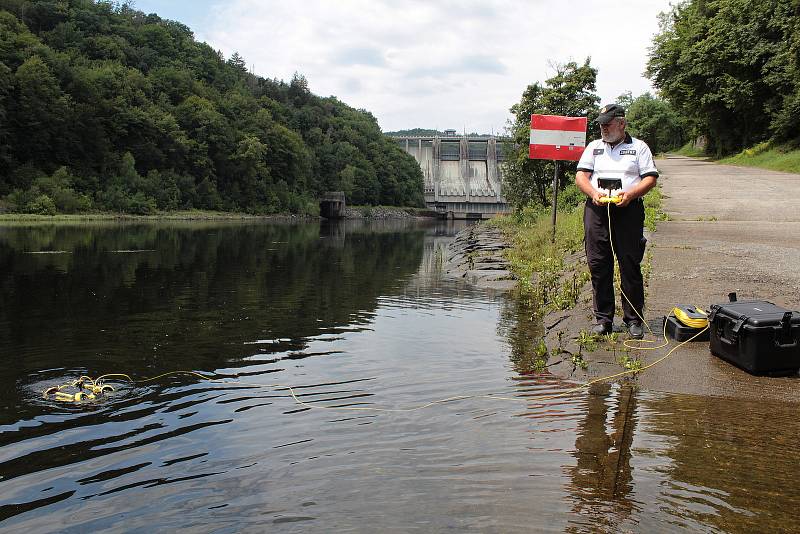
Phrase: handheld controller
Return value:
(610, 184)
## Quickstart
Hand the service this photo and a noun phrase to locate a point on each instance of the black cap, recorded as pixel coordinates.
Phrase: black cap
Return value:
(610, 112)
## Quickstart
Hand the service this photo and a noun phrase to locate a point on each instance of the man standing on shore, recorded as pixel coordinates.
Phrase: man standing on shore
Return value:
(618, 156)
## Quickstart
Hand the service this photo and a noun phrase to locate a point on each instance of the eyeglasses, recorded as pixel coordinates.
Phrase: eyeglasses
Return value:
(615, 121)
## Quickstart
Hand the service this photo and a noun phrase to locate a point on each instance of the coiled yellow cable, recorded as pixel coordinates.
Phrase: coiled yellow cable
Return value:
(692, 317)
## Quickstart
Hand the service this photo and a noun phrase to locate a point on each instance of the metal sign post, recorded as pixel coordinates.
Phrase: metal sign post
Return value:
(557, 138)
(555, 201)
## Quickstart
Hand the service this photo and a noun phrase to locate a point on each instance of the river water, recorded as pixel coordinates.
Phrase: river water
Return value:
(358, 320)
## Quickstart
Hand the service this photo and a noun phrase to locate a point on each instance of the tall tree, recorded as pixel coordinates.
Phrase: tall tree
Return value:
(39, 112)
(6, 85)
(570, 92)
(654, 121)
(727, 65)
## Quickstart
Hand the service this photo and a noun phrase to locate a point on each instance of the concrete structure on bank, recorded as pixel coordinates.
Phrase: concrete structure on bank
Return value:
(332, 205)
(462, 174)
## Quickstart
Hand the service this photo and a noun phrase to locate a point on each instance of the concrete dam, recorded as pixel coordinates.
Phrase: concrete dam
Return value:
(463, 177)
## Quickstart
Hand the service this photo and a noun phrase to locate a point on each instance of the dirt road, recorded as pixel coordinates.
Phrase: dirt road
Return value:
(730, 229)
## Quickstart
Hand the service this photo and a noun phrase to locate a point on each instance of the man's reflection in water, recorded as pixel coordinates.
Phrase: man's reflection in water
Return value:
(601, 481)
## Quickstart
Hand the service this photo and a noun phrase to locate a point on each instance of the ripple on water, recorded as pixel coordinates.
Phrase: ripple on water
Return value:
(405, 410)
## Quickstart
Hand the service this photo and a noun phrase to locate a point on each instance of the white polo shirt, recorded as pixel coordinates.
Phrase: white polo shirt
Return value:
(629, 161)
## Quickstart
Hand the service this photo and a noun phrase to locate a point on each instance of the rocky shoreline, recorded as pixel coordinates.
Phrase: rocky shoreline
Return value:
(476, 255)
(385, 212)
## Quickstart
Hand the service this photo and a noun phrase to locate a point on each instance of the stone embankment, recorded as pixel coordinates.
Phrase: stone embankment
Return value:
(476, 255)
(381, 212)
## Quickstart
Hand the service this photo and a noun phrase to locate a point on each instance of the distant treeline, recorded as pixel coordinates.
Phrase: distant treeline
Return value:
(732, 69)
(105, 108)
(426, 132)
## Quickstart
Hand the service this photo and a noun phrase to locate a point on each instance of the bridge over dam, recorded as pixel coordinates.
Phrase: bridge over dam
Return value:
(463, 176)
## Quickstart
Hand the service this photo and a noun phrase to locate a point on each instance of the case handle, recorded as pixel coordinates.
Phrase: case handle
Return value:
(734, 331)
(736, 325)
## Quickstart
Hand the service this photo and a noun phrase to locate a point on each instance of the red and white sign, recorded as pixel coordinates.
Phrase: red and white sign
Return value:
(557, 138)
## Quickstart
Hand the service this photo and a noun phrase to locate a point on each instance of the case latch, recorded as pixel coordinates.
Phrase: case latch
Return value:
(738, 324)
(785, 338)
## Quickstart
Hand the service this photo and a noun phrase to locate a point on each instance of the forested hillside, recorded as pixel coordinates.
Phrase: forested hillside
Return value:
(105, 108)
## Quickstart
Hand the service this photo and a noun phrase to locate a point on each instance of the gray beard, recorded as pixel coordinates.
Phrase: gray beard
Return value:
(612, 141)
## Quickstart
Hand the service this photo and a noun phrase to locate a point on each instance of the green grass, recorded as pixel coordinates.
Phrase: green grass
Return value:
(689, 150)
(630, 364)
(537, 263)
(765, 156)
(544, 278)
(653, 201)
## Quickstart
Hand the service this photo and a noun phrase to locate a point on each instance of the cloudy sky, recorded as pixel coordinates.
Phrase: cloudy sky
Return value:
(430, 64)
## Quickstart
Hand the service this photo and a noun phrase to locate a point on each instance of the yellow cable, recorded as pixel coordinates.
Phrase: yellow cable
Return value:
(59, 396)
(633, 343)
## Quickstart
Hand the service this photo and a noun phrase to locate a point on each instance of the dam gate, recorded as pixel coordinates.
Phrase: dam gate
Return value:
(462, 174)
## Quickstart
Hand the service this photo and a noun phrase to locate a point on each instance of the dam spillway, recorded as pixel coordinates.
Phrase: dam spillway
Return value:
(462, 174)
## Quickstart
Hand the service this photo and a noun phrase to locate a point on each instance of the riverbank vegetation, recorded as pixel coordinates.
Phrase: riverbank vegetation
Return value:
(103, 107)
(766, 156)
(352, 212)
(177, 215)
(545, 279)
(549, 277)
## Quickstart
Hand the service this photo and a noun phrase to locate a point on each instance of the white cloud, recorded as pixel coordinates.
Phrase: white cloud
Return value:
(445, 64)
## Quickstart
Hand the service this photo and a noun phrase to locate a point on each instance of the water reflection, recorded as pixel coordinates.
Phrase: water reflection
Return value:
(601, 481)
(253, 289)
(733, 462)
(353, 316)
(521, 325)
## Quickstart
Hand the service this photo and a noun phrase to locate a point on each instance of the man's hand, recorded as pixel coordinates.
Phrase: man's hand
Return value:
(625, 198)
(596, 196)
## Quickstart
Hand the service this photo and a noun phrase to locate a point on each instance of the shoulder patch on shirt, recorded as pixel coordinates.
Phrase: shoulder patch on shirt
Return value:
(598, 151)
(627, 152)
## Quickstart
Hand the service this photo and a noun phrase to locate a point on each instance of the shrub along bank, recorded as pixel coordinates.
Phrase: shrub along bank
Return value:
(552, 274)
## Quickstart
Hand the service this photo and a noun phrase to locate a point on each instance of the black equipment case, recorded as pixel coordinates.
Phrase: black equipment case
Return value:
(756, 335)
